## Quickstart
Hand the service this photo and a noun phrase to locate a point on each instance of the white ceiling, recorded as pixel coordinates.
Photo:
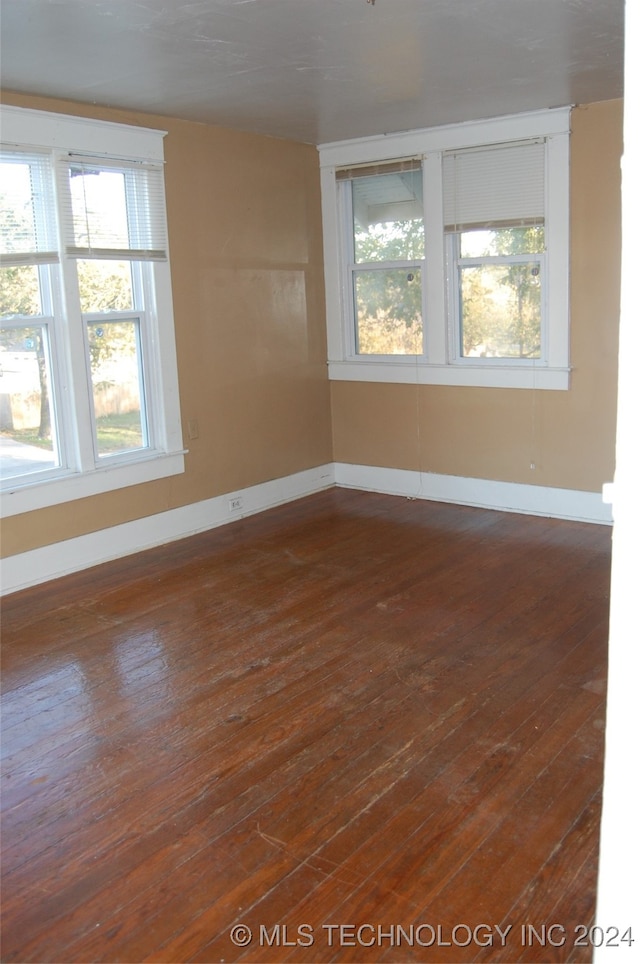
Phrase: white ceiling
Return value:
(316, 70)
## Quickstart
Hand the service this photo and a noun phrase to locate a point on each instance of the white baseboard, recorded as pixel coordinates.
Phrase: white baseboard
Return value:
(482, 493)
(50, 562)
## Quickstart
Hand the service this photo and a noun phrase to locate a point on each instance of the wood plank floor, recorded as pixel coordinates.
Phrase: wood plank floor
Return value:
(365, 727)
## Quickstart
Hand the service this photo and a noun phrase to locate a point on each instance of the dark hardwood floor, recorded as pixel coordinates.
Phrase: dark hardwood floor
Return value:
(366, 728)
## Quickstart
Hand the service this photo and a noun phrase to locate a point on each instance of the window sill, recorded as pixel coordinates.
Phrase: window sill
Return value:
(25, 496)
(408, 371)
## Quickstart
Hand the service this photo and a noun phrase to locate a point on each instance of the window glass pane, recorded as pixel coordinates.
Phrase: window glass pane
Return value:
(388, 217)
(115, 211)
(500, 310)
(116, 377)
(27, 436)
(388, 311)
(20, 291)
(503, 241)
(99, 202)
(105, 286)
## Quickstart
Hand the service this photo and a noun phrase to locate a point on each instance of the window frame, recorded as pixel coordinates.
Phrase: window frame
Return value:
(441, 362)
(83, 473)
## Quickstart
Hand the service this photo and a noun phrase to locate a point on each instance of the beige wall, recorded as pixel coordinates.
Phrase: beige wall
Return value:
(499, 433)
(246, 253)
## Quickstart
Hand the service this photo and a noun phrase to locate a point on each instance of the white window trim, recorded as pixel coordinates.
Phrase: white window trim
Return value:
(28, 129)
(439, 365)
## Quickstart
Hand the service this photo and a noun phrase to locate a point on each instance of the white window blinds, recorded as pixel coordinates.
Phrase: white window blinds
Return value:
(494, 187)
(382, 167)
(113, 210)
(27, 222)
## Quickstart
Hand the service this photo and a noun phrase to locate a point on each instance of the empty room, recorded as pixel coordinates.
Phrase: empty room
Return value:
(317, 449)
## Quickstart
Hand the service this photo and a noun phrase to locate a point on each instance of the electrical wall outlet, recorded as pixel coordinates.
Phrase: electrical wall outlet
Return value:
(235, 504)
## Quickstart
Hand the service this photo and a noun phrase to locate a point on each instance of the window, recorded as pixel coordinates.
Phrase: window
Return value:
(88, 382)
(494, 228)
(448, 262)
(386, 248)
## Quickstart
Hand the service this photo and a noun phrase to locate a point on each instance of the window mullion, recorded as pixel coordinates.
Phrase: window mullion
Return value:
(76, 400)
(435, 314)
(52, 288)
(452, 249)
(81, 401)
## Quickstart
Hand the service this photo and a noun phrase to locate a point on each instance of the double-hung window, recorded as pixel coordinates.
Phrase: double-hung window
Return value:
(495, 234)
(447, 262)
(384, 208)
(29, 292)
(88, 377)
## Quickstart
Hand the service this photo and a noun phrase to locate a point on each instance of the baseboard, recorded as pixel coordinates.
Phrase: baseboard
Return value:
(50, 562)
(482, 493)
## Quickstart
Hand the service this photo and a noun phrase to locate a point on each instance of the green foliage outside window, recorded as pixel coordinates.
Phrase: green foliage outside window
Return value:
(389, 301)
(500, 309)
